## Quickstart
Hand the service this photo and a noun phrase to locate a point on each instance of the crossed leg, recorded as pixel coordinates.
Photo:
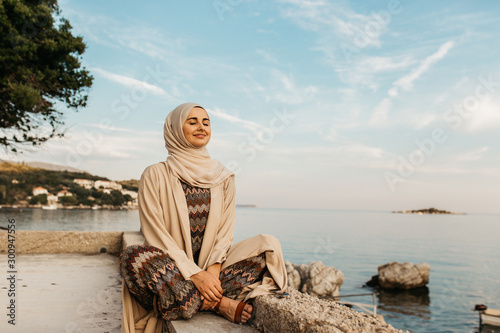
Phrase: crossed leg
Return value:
(156, 282)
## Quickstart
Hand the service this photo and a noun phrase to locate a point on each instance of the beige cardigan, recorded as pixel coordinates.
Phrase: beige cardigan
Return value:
(165, 224)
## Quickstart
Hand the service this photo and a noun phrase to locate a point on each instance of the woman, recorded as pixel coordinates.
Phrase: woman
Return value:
(188, 262)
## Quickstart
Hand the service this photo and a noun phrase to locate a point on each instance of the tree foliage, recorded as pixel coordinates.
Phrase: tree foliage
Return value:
(40, 70)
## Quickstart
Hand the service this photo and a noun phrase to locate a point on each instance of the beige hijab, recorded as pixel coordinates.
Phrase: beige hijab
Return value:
(189, 163)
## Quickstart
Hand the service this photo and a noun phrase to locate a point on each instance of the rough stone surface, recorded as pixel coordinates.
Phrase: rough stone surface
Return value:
(317, 279)
(89, 242)
(395, 275)
(293, 276)
(300, 312)
(132, 238)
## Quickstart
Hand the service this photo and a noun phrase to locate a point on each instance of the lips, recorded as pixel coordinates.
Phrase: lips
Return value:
(200, 136)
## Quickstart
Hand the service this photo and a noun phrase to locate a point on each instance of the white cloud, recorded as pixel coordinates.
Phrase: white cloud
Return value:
(423, 120)
(486, 117)
(131, 82)
(334, 18)
(363, 70)
(267, 56)
(250, 125)
(406, 82)
(473, 155)
(339, 28)
(288, 92)
(380, 114)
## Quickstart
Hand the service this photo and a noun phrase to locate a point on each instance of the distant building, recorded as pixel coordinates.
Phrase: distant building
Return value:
(52, 199)
(85, 183)
(106, 184)
(64, 193)
(132, 194)
(40, 190)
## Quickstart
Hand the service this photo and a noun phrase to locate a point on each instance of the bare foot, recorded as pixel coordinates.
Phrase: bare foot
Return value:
(228, 307)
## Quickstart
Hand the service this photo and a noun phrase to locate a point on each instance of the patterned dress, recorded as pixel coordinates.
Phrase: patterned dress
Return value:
(155, 281)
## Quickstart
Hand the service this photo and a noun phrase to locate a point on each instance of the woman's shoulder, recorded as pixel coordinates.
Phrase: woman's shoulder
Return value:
(228, 184)
(155, 170)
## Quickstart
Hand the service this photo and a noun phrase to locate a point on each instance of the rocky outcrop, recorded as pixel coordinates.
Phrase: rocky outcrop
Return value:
(293, 276)
(299, 312)
(315, 278)
(403, 276)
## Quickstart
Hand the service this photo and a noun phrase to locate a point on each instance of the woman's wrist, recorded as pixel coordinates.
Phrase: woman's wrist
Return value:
(214, 269)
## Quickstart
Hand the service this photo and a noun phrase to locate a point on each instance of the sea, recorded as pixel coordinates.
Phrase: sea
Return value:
(463, 252)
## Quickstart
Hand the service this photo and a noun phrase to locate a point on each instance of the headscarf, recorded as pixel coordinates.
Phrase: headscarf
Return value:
(191, 164)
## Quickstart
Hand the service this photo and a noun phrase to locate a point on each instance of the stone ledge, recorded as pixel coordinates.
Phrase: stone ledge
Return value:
(85, 242)
(204, 322)
(132, 238)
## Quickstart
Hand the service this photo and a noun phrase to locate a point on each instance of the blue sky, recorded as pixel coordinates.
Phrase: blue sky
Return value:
(382, 105)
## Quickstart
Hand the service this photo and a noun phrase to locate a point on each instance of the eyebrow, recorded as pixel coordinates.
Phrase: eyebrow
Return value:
(194, 118)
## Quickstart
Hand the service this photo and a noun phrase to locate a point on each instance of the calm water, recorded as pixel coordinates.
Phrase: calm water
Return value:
(462, 250)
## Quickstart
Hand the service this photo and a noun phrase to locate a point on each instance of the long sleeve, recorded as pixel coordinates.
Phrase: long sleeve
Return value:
(225, 233)
(155, 225)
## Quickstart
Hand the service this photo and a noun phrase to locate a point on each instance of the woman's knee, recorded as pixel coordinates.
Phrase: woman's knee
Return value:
(270, 239)
(134, 251)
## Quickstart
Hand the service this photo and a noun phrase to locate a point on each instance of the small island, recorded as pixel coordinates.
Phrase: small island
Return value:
(426, 211)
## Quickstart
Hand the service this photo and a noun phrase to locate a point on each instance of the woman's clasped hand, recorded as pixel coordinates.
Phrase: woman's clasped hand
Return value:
(209, 287)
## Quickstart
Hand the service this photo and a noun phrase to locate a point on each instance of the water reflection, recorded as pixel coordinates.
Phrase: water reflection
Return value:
(489, 329)
(413, 302)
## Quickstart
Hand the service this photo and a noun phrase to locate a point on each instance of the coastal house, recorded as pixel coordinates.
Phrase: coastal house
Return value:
(40, 190)
(132, 194)
(64, 193)
(52, 199)
(85, 183)
(106, 184)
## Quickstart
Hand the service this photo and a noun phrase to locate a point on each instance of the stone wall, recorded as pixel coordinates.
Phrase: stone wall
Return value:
(87, 242)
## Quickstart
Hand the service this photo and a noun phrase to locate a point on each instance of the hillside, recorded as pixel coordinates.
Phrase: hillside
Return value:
(45, 166)
(17, 182)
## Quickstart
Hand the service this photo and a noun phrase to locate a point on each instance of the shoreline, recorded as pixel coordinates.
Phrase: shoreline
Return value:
(17, 207)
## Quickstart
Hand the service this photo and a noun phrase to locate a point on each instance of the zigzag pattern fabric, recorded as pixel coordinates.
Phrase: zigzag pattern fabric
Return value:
(157, 284)
(241, 274)
(198, 202)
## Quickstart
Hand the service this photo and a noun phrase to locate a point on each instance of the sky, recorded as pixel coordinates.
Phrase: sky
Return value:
(370, 105)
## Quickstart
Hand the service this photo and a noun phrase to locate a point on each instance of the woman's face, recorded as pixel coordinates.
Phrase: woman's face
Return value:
(196, 128)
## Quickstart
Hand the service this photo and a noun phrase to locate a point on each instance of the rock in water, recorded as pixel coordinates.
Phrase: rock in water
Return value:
(395, 275)
(293, 276)
(320, 280)
(314, 278)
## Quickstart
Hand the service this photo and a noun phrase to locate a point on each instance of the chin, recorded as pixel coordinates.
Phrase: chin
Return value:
(199, 144)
